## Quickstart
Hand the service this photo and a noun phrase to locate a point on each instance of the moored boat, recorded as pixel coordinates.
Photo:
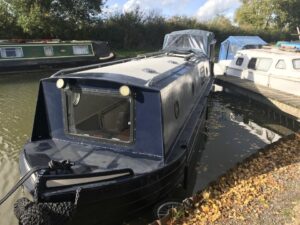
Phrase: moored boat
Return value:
(20, 55)
(271, 67)
(114, 138)
(229, 48)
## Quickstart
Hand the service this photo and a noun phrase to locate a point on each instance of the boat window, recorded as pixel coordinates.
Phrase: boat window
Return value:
(239, 61)
(296, 64)
(176, 109)
(81, 50)
(101, 116)
(48, 50)
(262, 64)
(252, 63)
(11, 52)
(193, 89)
(280, 65)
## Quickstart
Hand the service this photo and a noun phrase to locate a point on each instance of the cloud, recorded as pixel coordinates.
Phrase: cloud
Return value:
(212, 8)
(146, 5)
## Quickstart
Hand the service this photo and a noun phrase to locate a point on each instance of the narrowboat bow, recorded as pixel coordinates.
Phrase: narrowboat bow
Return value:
(121, 134)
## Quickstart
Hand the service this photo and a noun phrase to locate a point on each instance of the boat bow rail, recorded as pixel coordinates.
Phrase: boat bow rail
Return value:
(99, 65)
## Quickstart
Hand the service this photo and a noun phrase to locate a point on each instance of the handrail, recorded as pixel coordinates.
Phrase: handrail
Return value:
(98, 65)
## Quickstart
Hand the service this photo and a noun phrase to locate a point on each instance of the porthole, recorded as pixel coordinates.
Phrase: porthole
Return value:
(176, 109)
(193, 89)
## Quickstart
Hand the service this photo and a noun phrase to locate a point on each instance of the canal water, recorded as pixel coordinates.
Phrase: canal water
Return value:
(236, 128)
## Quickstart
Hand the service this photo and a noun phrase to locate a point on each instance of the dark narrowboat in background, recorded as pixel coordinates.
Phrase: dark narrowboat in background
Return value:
(20, 54)
(120, 134)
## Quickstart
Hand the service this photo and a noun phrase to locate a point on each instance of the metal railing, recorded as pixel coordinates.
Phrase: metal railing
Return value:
(99, 65)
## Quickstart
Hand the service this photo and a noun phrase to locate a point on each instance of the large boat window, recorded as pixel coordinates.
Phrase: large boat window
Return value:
(296, 64)
(11, 52)
(48, 50)
(262, 64)
(81, 50)
(281, 65)
(100, 116)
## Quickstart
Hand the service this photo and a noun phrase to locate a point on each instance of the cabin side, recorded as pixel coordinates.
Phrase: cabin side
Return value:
(178, 99)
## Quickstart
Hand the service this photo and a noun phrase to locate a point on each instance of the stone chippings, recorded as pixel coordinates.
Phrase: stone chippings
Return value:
(264, 189)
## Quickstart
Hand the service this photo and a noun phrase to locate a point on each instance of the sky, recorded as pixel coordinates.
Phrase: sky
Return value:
(203, 10)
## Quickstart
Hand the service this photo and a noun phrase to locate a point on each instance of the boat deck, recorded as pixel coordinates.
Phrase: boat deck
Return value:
(287, 103)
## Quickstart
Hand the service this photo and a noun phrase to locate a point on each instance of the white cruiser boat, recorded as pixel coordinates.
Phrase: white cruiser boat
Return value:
(270, 67)
(229, 48)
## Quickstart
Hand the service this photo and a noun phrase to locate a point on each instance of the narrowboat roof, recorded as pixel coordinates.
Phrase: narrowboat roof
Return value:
(39, 42)
(145, 69)
(136, 72)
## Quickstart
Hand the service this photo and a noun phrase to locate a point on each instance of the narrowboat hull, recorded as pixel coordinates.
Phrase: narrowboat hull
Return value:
(112, 139)
(31, 56)
(99, 203)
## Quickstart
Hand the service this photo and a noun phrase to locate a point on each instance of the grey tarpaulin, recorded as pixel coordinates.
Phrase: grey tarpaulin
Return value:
(197, 40)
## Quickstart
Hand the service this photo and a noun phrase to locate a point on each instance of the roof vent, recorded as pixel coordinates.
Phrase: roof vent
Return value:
(173, 62)
(149, 70)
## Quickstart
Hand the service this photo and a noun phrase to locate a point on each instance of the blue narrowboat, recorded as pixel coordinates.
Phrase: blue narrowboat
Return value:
(114, 138)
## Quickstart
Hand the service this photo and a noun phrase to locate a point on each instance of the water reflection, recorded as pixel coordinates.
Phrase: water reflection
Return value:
(17, 104)
(236, 128)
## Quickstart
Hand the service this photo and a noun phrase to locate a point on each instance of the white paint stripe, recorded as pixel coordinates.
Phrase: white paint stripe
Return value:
(65, 182)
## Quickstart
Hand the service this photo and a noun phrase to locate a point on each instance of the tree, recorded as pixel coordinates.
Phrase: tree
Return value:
(7, 20)
(53, 18)
(269, 14)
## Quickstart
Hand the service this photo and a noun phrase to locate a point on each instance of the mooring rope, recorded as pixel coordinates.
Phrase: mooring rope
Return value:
(39, 213)
(52, 165)
(21, 182)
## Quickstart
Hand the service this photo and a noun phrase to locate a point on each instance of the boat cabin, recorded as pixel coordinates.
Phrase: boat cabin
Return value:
(269, 67)
(231, 45)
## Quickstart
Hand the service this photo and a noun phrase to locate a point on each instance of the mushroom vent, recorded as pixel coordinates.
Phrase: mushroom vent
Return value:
(173, 62)
(149, 70)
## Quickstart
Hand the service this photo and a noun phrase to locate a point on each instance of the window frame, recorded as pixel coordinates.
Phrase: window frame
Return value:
(49, 48)
(250, 62)
(4, 55)
(80, 46)
(257, 59)
(294, 65)
(101, 92)
(278, 68)
(238, 60)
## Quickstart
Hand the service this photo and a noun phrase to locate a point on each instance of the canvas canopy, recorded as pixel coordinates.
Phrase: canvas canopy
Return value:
(197, 41)
(232, 44)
